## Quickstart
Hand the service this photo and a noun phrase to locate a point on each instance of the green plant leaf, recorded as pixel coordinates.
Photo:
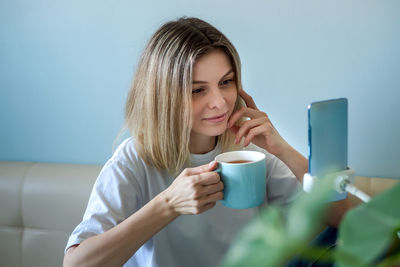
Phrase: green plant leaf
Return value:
(272, 238)
(367, 231)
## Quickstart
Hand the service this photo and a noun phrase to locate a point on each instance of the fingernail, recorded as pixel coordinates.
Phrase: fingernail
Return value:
(211, 163)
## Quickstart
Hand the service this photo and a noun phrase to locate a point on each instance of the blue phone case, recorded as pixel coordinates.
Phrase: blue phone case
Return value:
(327, 138)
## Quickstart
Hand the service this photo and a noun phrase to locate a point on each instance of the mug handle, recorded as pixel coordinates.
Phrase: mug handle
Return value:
(218, 170)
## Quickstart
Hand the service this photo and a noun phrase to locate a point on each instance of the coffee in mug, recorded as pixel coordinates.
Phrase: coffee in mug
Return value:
(239, 161)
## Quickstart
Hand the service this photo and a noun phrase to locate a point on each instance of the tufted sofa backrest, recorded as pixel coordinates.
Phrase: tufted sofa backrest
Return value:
(40, 204)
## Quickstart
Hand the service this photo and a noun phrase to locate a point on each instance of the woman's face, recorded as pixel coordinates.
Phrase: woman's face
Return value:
(214, 94)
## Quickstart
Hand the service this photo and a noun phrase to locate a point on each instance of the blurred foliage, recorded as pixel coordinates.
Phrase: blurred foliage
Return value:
(368, 234)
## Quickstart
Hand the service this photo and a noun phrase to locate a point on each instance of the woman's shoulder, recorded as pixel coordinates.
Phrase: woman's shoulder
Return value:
(126, 156)
(125, 150)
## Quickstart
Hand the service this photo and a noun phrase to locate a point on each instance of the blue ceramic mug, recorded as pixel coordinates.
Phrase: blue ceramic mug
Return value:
(244, 176)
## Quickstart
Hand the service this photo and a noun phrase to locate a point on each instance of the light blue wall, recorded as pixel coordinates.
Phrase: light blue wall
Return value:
(66, 66)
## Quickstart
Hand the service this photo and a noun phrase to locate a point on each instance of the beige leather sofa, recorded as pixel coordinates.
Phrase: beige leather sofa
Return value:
(41, 203)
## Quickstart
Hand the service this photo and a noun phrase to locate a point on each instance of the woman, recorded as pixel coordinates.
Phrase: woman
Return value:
(183, 109)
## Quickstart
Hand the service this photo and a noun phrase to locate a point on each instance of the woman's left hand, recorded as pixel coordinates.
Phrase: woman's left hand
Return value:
(258, 130)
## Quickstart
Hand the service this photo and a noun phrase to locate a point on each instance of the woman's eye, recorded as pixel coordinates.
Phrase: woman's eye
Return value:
(226, 82)
(198, 90)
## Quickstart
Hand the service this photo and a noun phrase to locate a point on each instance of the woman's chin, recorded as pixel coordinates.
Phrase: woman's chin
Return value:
(211, 130)
(217, 132)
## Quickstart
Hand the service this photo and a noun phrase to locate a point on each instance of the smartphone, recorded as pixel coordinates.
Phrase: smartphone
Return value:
(327, 139)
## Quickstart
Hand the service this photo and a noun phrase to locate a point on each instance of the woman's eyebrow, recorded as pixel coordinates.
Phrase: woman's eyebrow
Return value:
(229, 72)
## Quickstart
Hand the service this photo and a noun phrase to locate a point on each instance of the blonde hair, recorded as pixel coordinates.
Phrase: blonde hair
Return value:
(158, 108)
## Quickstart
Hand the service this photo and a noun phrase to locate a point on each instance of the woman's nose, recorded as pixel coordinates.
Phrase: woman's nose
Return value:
(217, 99)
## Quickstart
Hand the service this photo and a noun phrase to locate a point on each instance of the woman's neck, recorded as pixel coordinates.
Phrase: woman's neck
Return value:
(202, 144)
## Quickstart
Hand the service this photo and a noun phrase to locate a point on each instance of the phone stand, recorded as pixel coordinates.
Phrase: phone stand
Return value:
(340, 178)
(343, 182)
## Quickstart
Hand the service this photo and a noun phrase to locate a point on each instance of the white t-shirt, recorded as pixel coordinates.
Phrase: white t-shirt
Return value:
(126, 183)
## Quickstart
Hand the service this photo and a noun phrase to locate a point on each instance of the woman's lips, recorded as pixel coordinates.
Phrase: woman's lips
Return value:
(215, 119)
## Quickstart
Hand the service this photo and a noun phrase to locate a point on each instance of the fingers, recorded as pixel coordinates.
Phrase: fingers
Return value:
(202, 179)
(208, 202)
(213, 197)
(208, 178)
(201, 169)
(204, 198)
(211, 189)
(247, 126)
(204, 174)
(244, 112)
(199, 203)
(257, 118)
(253, 133)
(247, 99)
(197, 189)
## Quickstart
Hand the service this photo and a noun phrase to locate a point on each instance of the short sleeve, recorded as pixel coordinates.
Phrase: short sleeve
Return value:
(115, 196)
(282, 185)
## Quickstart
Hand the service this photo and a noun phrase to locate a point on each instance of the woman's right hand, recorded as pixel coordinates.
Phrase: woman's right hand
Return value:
(195, 190)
